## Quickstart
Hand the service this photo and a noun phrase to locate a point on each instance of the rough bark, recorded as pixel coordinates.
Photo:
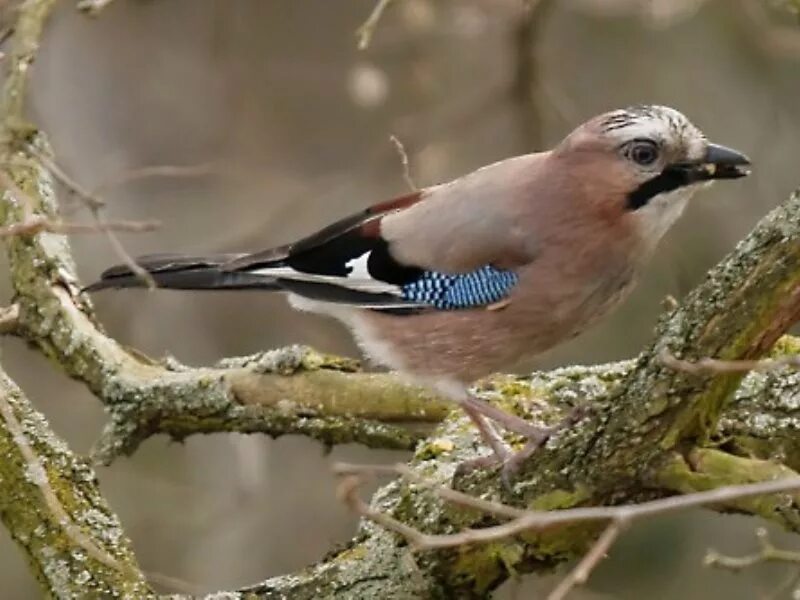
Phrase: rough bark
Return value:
(79, 548)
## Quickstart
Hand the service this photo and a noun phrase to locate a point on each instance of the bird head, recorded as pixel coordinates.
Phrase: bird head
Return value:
(642, 164)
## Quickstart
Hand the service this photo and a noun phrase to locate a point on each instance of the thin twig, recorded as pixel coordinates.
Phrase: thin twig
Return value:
(705, 366)
(367, 29)
(123, 254)
(73, 187)
(401, 150)
(456, 497)
(767, 553)
(347, 492)
(94, 204)
(537, 520)
(183, 171)
(580, 574)
(38, 224)
(618, 517)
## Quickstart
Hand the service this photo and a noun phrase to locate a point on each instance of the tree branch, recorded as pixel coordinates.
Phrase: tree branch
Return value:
(51, 504)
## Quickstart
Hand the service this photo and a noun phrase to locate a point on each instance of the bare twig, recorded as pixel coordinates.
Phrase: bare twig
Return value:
(580, 574)
(536, 520)
(619, 517)
(123, 254)
(704, 366)
(94, 204)
(182, 171)
(38, 223)
(767, 553)
(73, 187)
(401, 150)
(367, 29)
(347, 492)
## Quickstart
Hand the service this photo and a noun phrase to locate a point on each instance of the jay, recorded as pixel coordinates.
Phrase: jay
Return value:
(456, 281)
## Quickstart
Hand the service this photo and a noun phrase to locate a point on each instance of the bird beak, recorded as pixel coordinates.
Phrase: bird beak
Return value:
(721, 163)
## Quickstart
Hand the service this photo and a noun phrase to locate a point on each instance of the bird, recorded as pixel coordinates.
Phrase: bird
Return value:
(456, 281)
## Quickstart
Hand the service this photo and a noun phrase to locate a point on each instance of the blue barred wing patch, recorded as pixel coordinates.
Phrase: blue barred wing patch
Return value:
(483, 286)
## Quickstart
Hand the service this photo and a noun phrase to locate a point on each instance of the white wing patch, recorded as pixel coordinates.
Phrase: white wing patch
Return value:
(358, 279)
(358, 267)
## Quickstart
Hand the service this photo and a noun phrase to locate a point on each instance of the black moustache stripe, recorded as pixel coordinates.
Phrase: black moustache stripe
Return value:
(666, 181)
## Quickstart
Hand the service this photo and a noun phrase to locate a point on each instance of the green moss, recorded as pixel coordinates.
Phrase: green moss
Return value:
(431, 448)
(708, 469)
(316, 360)
(481, 567)
(560, 499)
(787, 345)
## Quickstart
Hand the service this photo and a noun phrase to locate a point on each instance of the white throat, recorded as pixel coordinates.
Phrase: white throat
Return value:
(661, 212)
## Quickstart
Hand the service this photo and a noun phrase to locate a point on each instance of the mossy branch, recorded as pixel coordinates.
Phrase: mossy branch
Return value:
(51, 504)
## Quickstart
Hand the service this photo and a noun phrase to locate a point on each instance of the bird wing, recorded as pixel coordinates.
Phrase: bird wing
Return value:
(447, 247)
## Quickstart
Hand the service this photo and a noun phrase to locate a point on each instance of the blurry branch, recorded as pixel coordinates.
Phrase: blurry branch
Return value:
(91, 201)
(527, 84)
(38, 224)
(401, 151)
(774, 38)
(767, 553)
(172, 171)
(5, 35)
(93, 7)
(94, 205)
(367, 29)
(706, 365)
(526, 34)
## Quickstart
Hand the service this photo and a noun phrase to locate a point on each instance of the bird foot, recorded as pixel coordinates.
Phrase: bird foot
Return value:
(509, 460)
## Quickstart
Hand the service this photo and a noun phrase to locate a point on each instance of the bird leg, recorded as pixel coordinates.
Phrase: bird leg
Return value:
(500, 450)
(506, 419)
(484, 415)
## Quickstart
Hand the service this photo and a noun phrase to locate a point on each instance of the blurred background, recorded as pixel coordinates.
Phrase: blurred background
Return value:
(287, 125)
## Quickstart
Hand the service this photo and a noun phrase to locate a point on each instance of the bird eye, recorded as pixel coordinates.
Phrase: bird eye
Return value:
(642, 152)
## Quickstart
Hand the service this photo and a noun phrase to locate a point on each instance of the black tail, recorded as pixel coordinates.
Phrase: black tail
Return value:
(177, 272)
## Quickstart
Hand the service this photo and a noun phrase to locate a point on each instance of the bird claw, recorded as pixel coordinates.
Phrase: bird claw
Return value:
(511, 461)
